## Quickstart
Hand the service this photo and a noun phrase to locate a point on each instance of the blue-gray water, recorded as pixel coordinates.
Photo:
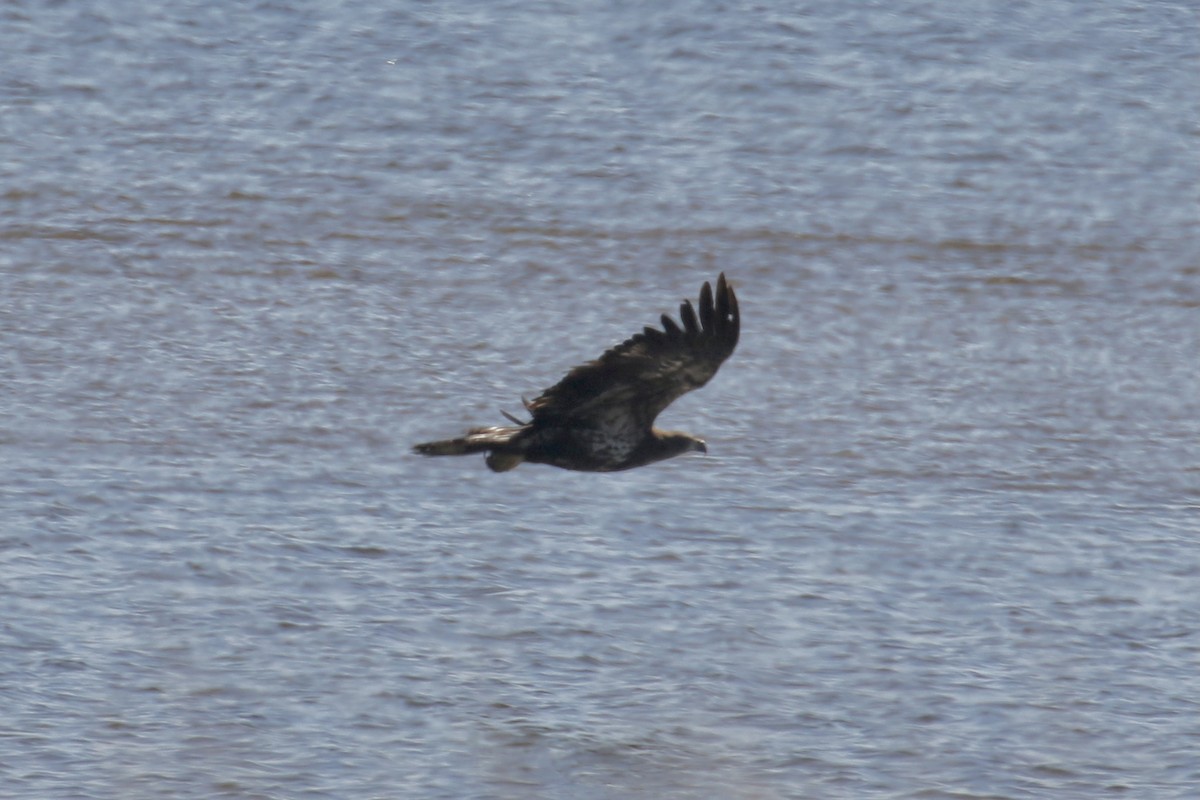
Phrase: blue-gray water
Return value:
(946, 543)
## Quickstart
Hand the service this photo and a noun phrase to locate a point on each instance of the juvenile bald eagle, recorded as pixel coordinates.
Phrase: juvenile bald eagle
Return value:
(600, 417)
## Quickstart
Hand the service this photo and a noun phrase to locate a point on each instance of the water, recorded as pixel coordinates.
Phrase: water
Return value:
(944, 544)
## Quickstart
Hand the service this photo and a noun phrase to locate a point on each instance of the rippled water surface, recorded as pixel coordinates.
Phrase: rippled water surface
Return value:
(945, 543)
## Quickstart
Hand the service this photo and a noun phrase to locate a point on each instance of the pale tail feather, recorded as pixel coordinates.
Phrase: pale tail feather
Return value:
(477, 440)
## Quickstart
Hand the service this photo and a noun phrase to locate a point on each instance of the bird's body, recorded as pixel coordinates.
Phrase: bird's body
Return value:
(600, 416)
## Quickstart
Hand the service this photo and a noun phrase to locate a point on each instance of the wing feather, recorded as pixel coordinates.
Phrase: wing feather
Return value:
(653, 335)
(688, 315)
(647, 372)
(707, 313)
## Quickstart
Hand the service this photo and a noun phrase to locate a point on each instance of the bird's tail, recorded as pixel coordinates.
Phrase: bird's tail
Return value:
(478, 440)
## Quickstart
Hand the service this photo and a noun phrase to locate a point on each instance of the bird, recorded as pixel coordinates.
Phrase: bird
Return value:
(600, 416)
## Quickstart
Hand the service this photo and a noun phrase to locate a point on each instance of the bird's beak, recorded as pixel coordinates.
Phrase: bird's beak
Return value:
(701, 446)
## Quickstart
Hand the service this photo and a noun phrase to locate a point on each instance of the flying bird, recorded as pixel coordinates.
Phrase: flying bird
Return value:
(600, 416)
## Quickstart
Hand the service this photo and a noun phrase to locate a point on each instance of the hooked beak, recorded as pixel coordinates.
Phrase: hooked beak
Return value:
(700, 446)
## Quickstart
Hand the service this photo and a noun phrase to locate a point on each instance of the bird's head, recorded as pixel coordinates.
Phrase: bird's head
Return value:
(676, 443)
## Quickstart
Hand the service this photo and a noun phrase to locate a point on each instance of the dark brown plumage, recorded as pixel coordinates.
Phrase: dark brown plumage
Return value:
(600, 416)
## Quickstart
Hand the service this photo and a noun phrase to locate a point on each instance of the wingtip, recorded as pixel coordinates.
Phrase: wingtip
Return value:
(728, 317)
(687, 315)
(708, 312)
(714, 315)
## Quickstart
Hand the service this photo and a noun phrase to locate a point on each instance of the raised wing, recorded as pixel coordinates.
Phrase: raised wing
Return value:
(645, 373)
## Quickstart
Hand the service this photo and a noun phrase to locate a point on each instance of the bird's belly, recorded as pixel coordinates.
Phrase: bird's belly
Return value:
(590, 448)
(607, 446)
